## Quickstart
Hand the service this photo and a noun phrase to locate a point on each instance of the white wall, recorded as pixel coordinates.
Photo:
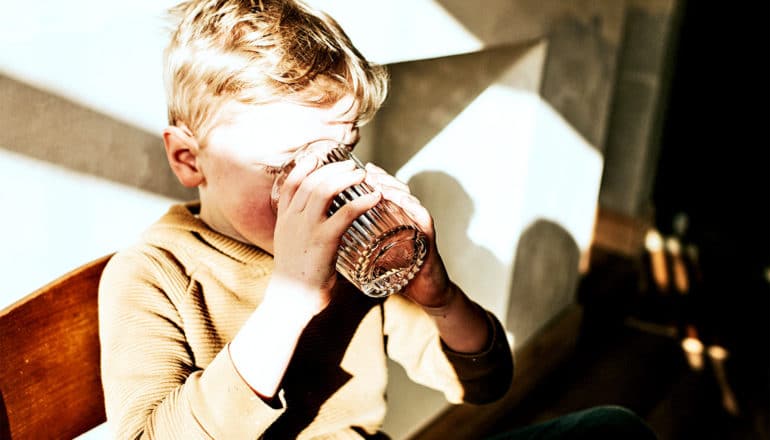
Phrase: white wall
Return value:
(55, 219)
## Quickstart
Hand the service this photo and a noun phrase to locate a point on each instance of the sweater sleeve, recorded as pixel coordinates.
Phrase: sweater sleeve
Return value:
(152, 386)
(413, 341)
(487, 375)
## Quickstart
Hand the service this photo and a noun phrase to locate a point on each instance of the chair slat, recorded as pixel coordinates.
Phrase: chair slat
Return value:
(50, 382)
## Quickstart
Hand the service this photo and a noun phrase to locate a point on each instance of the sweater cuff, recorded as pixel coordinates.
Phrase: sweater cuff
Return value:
(226, 407)
(486, 375)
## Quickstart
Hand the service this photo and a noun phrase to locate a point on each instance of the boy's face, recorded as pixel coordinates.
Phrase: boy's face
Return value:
(235, 192)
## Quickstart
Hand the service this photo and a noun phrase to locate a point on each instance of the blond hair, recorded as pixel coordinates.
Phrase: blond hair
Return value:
(260, 51)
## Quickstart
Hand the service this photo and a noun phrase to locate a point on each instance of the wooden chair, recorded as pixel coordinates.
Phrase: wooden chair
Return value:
(50, 382)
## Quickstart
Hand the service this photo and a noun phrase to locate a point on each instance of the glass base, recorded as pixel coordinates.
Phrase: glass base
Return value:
(387, 263)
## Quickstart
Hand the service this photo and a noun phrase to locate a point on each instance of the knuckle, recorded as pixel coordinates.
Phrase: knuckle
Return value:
(350, 211)
(326, 189)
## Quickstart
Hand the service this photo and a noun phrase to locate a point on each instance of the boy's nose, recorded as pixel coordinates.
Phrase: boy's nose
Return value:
(344, 133)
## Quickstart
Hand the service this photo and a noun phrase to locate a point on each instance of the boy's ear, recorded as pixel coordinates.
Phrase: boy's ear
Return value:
(182, 154)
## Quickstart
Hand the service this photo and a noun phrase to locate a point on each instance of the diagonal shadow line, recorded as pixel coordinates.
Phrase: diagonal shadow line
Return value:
(583, 44)
(45, 126)
(427, 95)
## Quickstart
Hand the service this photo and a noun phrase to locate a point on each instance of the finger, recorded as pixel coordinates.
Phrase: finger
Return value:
(372, 168)
(331, 196)
(344, 217)
(398, 196)
(412, 206)
(319, 188)
(378, 177)
(303, 167)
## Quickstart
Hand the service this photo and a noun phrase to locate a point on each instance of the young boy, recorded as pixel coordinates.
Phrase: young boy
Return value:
(228, 320)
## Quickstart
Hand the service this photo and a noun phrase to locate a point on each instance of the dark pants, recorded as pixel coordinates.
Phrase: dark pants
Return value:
(603, 422)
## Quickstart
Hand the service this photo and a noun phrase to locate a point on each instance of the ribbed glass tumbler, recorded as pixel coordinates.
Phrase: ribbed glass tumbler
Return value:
(382, 249)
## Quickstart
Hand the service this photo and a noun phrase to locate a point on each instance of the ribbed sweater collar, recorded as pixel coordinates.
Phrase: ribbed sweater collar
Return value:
(183, 218)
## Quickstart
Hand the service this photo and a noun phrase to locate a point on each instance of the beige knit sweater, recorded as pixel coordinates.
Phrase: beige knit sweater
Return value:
(169, 305)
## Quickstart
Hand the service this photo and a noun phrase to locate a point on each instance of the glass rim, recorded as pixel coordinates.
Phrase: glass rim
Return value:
(277, 166)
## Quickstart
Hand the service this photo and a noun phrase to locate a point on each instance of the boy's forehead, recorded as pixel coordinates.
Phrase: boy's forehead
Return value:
(284, 124)
(344, 111)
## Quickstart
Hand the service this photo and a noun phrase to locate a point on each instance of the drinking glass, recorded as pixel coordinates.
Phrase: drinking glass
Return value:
(383, 248)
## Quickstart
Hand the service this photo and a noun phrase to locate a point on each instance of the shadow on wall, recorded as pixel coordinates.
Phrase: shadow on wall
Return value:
(452, 210)
(546, 266)
(44, 126)
(545, 272)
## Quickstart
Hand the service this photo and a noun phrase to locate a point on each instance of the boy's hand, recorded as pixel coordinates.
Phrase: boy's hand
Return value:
(305, 240)
(431, 286)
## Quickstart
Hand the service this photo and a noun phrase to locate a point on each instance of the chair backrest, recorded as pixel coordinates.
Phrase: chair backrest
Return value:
(50, 382)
